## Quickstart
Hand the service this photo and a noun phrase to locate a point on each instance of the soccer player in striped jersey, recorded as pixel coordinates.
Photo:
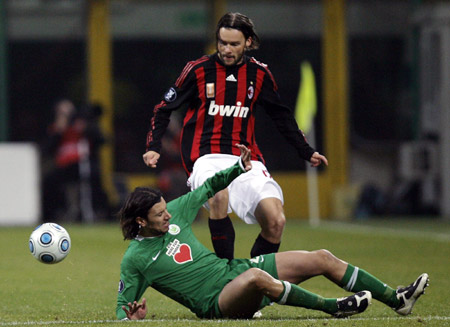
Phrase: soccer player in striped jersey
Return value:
(222, 91)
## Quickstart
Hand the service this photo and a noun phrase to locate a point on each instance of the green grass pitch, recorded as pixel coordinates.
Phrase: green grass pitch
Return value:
(81, 290)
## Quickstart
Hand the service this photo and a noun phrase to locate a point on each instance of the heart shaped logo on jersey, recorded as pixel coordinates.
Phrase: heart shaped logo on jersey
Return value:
(183, 255)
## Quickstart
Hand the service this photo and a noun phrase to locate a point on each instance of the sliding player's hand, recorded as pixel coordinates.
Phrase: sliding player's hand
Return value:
(137, 311)
(246, 156)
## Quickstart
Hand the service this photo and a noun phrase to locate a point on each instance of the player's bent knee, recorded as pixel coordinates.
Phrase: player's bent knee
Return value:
(257, 278)
(326, 258)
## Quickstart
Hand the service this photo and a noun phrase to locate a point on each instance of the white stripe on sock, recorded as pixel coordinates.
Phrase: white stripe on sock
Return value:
(287, 290)
(352, 281)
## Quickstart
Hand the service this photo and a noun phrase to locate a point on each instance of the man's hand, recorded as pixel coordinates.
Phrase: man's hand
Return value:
(151, 158)
(246, 155)
(317, 159)
(137, 311)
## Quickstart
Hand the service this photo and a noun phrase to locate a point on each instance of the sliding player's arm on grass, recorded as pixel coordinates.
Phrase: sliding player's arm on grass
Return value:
(131, 287)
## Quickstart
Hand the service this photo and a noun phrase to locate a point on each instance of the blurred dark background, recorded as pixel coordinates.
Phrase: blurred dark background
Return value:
(152, 40)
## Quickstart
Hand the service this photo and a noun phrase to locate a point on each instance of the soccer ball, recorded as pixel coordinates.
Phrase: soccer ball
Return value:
(49, 243)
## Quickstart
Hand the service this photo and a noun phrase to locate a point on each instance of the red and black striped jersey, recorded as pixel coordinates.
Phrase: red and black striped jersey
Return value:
(221, 102)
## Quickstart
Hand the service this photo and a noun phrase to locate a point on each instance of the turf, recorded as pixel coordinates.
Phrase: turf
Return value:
(81, 290)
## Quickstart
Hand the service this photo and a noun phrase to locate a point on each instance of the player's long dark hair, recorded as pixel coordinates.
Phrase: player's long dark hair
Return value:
(137, 204)
(242, 23)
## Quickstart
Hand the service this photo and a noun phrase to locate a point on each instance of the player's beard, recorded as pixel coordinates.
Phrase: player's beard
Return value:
(236, 61)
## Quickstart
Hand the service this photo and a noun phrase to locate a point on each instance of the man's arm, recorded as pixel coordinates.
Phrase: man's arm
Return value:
(176, 97)
(132, 286)
(285, 122)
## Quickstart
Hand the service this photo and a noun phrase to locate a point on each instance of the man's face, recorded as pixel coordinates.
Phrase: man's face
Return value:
(157, 222)
(231, 45)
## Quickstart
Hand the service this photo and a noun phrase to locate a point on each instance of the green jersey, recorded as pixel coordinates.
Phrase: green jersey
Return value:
(177, 264)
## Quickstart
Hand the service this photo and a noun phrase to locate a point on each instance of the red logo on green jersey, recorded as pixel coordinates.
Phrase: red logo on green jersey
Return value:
(181, 253)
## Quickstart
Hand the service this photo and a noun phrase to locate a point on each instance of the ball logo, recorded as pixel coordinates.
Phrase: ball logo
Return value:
(180, 252)
(64, 246)
(174, 229)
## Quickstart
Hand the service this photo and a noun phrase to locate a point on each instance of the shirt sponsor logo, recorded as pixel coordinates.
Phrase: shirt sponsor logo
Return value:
(180, 252)
(170, 95)
(210, 93)
(227, 110)
(174, 229)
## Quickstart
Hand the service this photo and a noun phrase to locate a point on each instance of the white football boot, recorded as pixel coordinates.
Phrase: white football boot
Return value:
(408, 295)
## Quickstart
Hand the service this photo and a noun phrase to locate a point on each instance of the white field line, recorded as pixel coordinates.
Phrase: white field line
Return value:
(391, 231)
(212, 322)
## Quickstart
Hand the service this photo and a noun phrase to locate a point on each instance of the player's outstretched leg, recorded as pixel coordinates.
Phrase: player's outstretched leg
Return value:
(242, 297)
(408, 295)
(296, 266)
(401, 300)
(340, 308)
(353, 304)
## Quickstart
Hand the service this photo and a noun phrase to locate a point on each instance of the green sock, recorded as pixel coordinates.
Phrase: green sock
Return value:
(356, 279)
(296, 296)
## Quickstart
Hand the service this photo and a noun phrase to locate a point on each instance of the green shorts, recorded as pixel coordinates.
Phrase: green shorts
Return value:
(264, 262)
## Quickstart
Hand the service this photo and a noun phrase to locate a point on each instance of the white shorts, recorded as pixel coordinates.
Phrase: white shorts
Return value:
(245, 192)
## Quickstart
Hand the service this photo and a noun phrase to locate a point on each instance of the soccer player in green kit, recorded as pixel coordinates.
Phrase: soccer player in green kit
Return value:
(164, 254)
